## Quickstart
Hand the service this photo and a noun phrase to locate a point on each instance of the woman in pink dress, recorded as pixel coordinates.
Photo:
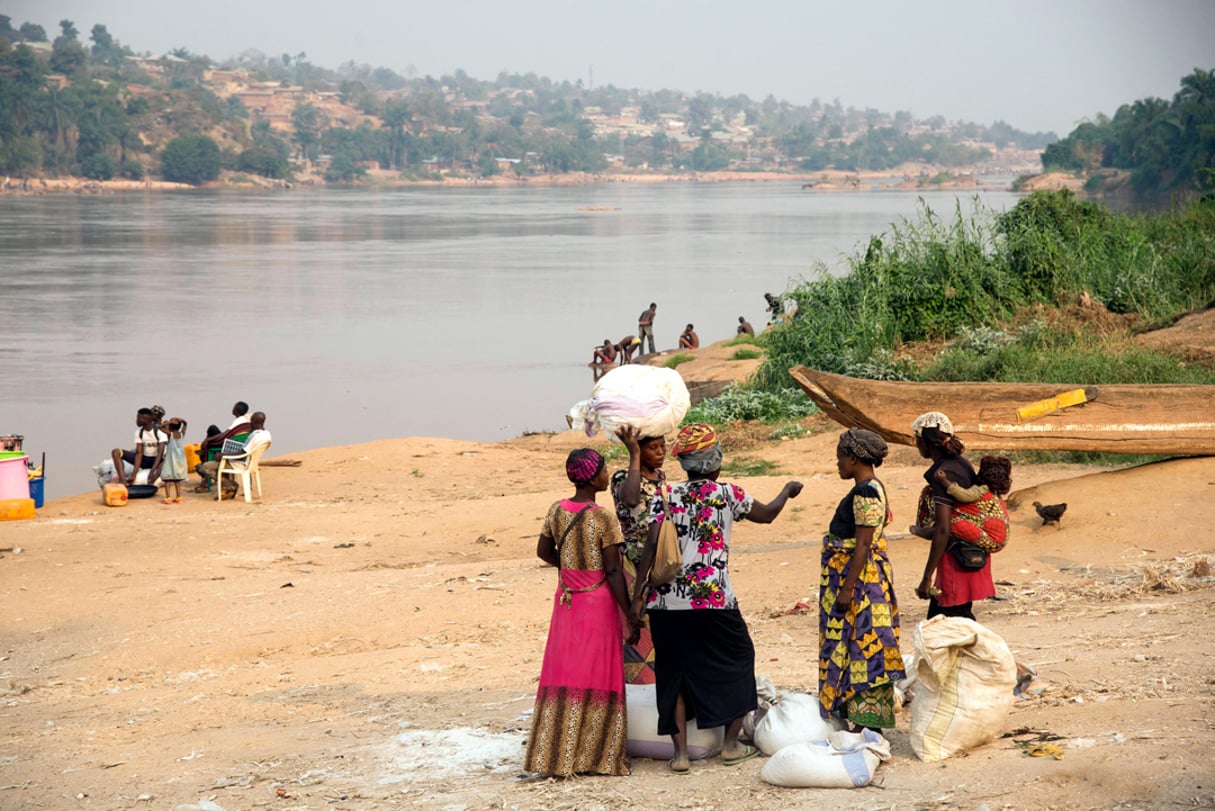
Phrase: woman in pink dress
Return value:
(580, 725)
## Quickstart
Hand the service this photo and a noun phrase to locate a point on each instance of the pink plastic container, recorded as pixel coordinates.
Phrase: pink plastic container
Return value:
(14, 478)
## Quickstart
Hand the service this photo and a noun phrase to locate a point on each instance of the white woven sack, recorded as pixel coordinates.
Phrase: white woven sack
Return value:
(965, 676)
(644, 740)
(843, 760)
(792, 718)
(652, 400)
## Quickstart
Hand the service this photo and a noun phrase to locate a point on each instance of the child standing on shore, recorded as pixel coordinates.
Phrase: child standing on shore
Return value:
(174, 471)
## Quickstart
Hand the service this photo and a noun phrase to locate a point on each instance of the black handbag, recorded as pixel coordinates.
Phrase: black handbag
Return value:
(969, 557)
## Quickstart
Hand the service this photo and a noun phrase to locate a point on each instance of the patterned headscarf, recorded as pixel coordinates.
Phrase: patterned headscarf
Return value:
(583, 465)
(932, 419)
(695, 437)
(158, 413)
(866, 446)
(697, 449)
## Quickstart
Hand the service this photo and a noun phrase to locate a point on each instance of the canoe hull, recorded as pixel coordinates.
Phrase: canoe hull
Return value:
(1164, 420)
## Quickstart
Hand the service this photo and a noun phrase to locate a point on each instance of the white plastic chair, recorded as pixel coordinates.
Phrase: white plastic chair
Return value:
(245, 466)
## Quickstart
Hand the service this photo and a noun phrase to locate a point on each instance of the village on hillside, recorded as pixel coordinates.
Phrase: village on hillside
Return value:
(282, 120)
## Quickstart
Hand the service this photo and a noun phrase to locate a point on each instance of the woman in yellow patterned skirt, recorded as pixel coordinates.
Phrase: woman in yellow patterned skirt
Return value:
(580, 725)
(859, 657)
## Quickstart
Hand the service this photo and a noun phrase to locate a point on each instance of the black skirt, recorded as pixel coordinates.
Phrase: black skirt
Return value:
(707, 656)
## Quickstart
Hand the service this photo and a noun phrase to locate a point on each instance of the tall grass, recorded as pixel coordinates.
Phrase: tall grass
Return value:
(932, 279)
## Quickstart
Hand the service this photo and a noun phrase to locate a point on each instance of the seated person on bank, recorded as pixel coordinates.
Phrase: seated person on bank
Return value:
(605, 355)
(259, 435)
(149, 453)
(744, 327)
(215, 437)
(688, 339)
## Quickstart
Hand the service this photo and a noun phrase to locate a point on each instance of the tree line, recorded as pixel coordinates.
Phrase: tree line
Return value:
(1163, 144)
(98, 111)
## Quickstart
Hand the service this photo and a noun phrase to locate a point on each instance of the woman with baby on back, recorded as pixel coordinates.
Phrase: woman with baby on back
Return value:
(949, 588)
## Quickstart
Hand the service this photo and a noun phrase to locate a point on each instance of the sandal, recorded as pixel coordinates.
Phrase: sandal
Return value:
(177, 500)
(671, 766)
(166, 501)
(748, 753)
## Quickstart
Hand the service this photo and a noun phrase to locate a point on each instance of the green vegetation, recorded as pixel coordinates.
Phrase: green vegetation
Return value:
(969, 285)
(744, 339)
(677, 359)
(190, 159)
(748, 466)
(1163, 144)
(749, 403)
(747, 354)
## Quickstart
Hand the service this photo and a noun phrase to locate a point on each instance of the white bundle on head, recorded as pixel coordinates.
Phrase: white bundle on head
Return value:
(651, 399)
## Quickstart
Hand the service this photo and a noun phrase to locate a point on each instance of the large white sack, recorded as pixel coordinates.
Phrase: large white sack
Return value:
(792, 718)
(964, 679)
(652, 400)
(644, 740)
(843, 760)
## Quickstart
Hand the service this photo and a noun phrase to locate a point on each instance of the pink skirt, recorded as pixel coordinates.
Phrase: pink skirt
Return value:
(580, 724)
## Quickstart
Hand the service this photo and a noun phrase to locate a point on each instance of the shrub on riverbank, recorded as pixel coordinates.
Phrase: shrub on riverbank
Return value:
(929, 280)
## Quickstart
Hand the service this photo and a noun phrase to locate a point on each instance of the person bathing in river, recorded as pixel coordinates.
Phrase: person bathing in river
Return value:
(627, 346)
(605, 355)
(688, 339)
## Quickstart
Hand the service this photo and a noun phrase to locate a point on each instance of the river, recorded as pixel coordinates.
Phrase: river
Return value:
(350, 315)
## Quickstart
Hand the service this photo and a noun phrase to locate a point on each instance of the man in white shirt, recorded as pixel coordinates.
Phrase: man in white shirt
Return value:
(258, 436)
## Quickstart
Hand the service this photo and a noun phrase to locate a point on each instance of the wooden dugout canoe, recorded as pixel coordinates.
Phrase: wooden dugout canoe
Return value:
(1165, 419)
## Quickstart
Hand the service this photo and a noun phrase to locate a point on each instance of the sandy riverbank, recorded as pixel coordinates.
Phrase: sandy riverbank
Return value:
(824, 181)
(369, 636)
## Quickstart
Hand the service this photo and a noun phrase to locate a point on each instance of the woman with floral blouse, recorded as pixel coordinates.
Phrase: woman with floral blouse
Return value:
(704, 659)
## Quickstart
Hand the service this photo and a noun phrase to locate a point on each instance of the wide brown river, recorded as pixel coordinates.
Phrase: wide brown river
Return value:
(351, 315)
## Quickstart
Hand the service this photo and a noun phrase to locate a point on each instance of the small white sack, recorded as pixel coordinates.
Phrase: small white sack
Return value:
(644, 740)
(652, 400)
(964, 679)
(792, 718)
(843, 760)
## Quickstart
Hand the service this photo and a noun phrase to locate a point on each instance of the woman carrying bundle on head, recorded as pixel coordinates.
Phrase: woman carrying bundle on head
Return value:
(859, 659)
(633, 491)
(580, 726)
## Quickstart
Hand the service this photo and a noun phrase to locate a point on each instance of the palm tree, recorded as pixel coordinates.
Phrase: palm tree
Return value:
(396, 116)
(59, 123)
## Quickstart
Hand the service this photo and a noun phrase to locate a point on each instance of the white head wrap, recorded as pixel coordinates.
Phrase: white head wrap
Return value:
(932, 419)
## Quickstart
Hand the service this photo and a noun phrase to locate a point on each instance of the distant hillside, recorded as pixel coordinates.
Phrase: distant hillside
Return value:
(99, 111)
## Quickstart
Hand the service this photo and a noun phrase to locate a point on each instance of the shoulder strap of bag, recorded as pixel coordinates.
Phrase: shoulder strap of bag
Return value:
(567, 593)
(566, 534)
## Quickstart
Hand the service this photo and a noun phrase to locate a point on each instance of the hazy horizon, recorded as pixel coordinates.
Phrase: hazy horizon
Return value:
(1038, 65)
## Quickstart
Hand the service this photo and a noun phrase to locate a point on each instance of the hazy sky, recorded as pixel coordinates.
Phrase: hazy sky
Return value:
(1037, 64)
